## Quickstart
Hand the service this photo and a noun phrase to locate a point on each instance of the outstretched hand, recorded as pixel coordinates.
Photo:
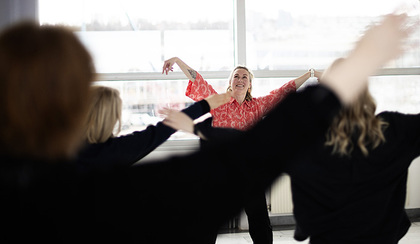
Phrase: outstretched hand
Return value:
(380, 44)
(217, 100)
(180, 121)
(177, 120)
(385, 41)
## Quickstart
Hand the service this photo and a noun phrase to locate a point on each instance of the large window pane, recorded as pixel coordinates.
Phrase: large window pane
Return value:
(396, 93)
(283, 34)
(136, 36)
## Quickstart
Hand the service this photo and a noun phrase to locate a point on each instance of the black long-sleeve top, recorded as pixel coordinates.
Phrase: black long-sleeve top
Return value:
(54, 202)
(356, 199)
(128, 149)
(349, 199)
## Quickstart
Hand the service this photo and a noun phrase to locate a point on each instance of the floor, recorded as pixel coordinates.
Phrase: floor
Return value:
(286, 237)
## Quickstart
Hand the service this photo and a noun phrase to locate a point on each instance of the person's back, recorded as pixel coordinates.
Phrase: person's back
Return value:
(358, 197)
(45, 73)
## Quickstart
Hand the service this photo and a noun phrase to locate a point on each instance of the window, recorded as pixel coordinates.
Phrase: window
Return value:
(129, 40)
(396, 93)
(293, 35)
(277, 39)
(135, 36)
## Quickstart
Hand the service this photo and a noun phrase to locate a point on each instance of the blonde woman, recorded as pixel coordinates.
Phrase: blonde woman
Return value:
(104, 149)
(244, 110)
(104, 117)
(353, 188)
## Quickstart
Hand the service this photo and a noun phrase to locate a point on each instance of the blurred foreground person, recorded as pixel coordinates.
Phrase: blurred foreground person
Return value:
(350, 186)
(45, 75)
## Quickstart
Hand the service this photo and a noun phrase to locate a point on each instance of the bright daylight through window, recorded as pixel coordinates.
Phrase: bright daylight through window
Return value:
(130, 39)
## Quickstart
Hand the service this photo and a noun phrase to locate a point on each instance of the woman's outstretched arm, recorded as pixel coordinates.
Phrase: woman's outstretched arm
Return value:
(188, 71)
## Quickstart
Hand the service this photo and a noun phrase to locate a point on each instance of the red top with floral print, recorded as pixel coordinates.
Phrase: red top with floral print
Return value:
(233, 115)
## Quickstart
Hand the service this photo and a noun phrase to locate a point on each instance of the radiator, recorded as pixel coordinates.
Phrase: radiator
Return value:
(281, 196)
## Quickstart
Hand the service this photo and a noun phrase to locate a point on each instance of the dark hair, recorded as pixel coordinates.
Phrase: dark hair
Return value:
(45, 74)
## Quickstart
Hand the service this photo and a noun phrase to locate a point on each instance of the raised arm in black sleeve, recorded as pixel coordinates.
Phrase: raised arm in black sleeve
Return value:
(128, 149)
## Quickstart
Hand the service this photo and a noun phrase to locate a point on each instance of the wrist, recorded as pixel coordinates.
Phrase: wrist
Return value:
(311, 73)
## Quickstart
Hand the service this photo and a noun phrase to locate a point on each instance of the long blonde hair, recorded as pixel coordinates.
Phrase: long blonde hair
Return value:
(358, 119)
(248, 96)
(104, 114)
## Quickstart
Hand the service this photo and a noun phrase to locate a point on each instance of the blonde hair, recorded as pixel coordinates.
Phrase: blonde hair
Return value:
(358, 120)
(104, 114)
(248, 96)
(45, 75)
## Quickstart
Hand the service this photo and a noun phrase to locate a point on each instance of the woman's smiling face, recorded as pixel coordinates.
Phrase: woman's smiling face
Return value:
(240, 81)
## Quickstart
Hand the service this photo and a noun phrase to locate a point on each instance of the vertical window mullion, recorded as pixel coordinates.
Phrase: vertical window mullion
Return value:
(239, 32)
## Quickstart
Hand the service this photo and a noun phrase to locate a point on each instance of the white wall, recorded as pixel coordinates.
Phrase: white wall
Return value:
(413, 185)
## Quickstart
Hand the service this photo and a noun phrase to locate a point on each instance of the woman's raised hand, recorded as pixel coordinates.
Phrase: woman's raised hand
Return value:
(168, 65)
(380, 44)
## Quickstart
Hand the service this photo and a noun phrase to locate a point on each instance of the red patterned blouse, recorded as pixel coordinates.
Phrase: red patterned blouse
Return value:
(233, 115)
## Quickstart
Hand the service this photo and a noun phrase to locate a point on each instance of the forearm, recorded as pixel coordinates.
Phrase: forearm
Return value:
(187, 70)
(301, 79)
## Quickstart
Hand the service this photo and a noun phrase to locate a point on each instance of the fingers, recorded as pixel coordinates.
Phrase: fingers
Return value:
(380, 44)
(167, 112)
(169, 115)
(164, 67)
(167, 66)
(177, 120)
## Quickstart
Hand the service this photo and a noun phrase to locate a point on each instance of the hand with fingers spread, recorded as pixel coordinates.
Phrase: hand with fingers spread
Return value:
(180, 121)
(177, 120)
(380, 44)
(187, 70)
(168, 65)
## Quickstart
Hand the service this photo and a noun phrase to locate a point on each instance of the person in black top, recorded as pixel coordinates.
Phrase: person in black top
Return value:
(104, 150)
(45, 75)
(350, 186)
